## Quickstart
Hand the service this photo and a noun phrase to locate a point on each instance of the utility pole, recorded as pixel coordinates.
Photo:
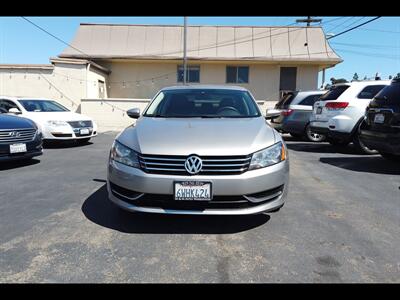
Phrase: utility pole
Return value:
(309, 20)
(184, 49)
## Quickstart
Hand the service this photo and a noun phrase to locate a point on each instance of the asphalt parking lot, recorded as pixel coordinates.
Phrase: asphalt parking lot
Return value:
(340, 223)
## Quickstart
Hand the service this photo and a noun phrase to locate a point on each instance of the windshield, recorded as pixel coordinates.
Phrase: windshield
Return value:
(42, 106)
(204, 103)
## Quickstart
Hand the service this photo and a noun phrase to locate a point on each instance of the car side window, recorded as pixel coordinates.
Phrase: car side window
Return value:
(7, 104)
(310, 100)
(370, 91)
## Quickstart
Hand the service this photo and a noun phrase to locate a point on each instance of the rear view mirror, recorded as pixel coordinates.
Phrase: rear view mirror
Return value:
(14, 111)
(272, 115)
(133, 113)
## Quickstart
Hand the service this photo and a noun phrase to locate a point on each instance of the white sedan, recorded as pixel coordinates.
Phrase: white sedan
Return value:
(54, 120)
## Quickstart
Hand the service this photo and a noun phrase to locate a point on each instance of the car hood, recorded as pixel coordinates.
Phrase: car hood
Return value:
(181, 136)
(40, 117)
(14, 122)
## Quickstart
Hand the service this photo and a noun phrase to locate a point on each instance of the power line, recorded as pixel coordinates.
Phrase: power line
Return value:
(372, 54)
(359, 25)
(57, 38)
(339, 25)
(352, 23)
(378, 30)
(366, 45)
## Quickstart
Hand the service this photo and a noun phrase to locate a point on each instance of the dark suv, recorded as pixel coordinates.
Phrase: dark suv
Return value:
(381, 129)
(20, 138)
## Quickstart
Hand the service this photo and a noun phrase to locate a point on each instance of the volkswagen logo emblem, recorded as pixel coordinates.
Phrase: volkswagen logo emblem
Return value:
(14, 134)
(193, 164)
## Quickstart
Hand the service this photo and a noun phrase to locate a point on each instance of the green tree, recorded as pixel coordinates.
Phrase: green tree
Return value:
(355, 77)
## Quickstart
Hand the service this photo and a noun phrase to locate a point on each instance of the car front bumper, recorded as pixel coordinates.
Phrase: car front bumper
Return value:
(247, 183)
(34, 148)
(67, 132)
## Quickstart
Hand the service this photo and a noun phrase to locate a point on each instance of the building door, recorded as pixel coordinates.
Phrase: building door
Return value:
(101, 89)
(288, 79)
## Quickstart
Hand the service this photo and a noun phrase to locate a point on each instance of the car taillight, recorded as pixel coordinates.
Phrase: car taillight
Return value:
(336, 105)
(286, 112)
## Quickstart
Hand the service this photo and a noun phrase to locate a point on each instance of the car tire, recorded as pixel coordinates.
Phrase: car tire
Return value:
(313, 136)
(390, 156)
(83, 141)
(360, 145)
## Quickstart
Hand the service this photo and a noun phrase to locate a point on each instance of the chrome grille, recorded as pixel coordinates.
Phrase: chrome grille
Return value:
(17, 135)
(212, 165)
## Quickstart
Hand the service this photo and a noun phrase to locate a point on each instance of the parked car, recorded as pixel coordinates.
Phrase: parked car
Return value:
(54, 120)
(339, 113)
(200, 150)
(20, 138)
(381, 130)
(296, 109)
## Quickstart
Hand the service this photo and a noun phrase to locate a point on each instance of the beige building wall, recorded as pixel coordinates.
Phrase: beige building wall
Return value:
(65, 83)
(152, 76)
(93, 77)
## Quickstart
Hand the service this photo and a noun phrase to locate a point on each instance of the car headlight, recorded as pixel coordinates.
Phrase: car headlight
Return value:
(57, 123)
(124, 155)
(268, 157)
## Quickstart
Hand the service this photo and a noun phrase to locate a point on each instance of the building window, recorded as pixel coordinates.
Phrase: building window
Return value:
(236, 74)
(192, 74)
(288, 79)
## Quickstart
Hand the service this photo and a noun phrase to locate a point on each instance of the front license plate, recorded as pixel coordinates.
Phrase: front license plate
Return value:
(84, 131)
(379, 118)
(319, 110)
(192, 190)
(17, 148)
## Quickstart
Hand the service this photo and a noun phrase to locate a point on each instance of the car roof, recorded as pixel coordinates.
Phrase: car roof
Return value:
(204, 87)
(311, 92)
(363, 83)
(26, 98)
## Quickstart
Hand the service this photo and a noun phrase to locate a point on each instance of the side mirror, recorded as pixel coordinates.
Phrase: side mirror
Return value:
(272, 115)
(133, 113)
(14, 111)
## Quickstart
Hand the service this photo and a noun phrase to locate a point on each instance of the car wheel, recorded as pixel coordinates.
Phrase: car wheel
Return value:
(313, 136)
(360, 145)
(83, 141)
(390, 156)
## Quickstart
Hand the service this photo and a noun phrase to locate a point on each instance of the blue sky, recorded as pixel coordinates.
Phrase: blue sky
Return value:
(374, 47)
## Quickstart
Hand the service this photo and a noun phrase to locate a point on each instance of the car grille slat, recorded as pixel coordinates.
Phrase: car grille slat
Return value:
(17, 135)
(212, 165)
(80, 124)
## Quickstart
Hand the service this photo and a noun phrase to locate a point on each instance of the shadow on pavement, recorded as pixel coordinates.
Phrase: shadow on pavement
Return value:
(64, 144)
(368, 164)
(322, 148)
(18, 164)
(98, 209)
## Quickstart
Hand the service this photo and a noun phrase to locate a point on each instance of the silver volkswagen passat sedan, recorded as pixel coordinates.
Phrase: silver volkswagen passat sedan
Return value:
(199, 150)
